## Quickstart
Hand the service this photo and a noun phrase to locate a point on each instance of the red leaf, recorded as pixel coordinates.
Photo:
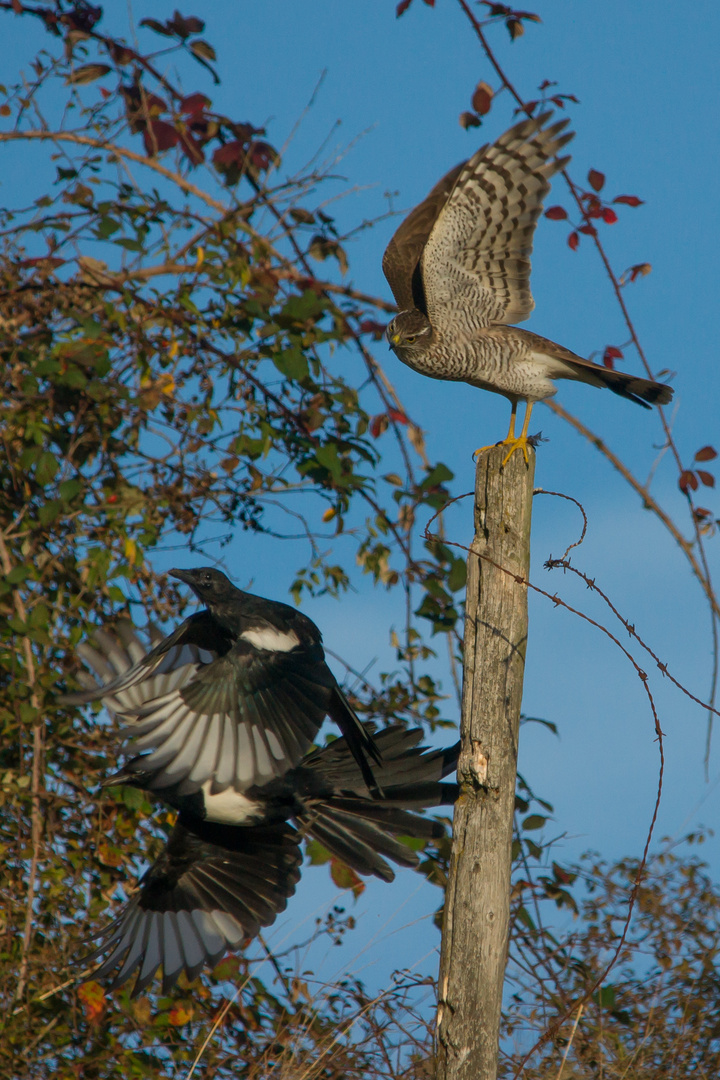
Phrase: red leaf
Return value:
(232, 153)
(589, 230)
(629, 200)
(482, 98)
(430, 3)
(369, 326)
(345, 877)
(159, 135)
(397, 416)
(611, 353)
(687, 480)
(92, 999)
(556, 213)
(706, 453)
(706, 478)
(468, 120)
(593, 206)
(596, 180)
(378, 424)
(191, 148)
(609, 216)
(573, 241)
(402, 7)
(193, 104)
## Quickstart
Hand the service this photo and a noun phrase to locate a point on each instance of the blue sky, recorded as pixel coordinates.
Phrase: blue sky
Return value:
(646, 76)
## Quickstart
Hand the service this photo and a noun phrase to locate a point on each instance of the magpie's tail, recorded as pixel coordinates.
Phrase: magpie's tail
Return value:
(359, 736)
(361, 831)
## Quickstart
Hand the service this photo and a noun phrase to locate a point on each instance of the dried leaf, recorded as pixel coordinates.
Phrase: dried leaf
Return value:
(481, 100)
(203, 50)
(688, 479)
(706, 478)
(573, 241)
(87, 73)
(556, 213)
(706, 453)
(402, 8)
(469, 120)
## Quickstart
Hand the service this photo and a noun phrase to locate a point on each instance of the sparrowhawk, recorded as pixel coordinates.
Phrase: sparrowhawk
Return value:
(459, 269)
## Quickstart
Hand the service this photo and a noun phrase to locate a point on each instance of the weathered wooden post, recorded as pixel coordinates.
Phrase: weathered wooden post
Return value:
(475, 931)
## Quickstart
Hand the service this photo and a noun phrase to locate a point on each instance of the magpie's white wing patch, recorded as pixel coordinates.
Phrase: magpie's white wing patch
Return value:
(270, 639)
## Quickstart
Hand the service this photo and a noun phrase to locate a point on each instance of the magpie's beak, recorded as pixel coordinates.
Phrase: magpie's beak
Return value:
(187, 576)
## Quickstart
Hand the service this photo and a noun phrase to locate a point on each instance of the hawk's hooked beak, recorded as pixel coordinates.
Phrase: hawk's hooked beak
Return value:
(393, 340)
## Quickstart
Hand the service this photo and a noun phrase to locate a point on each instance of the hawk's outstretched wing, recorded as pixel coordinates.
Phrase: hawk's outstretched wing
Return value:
(475, 266)
(401, 260)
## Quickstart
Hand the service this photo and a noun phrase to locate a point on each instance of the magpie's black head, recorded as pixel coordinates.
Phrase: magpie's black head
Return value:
(209, 585)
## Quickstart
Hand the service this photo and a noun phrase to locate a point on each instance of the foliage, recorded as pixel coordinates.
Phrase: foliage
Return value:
(174, 371)
(183, 360)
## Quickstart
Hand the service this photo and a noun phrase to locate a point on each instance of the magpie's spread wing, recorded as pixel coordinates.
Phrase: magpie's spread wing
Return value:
(203, 708)
(129, 676)
(241, 721)
(212, 887)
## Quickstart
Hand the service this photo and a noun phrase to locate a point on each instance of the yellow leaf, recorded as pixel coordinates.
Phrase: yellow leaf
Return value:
(130, 551)
(180, 1015)
(199, 258)
(173, 350)
(92, 998)
(329, 514)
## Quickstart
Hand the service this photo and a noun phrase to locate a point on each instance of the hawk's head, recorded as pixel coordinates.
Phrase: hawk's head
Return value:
(409, 331)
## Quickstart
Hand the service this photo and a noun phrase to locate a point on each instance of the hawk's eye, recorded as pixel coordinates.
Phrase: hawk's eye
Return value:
(410, 339)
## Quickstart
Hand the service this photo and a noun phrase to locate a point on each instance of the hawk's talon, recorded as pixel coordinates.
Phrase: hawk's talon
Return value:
(521, 443)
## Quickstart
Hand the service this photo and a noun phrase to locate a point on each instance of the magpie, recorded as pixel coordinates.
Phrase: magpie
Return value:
(232, 699)
(216, 884)
(232, 861)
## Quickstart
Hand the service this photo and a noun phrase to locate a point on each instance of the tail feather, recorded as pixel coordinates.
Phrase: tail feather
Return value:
(404, 763)
(360, 831)
(643, 392)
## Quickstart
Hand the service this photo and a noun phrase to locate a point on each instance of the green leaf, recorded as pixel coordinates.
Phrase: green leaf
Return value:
(439, 475)
(47, 468)
(534, 821)
(49, 511)
(316, 853)
(291, 363)
(605, 997)
(69, 489)
(458, 575)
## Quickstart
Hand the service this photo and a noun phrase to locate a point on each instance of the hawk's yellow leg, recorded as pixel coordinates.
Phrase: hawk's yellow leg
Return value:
(519, 442)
